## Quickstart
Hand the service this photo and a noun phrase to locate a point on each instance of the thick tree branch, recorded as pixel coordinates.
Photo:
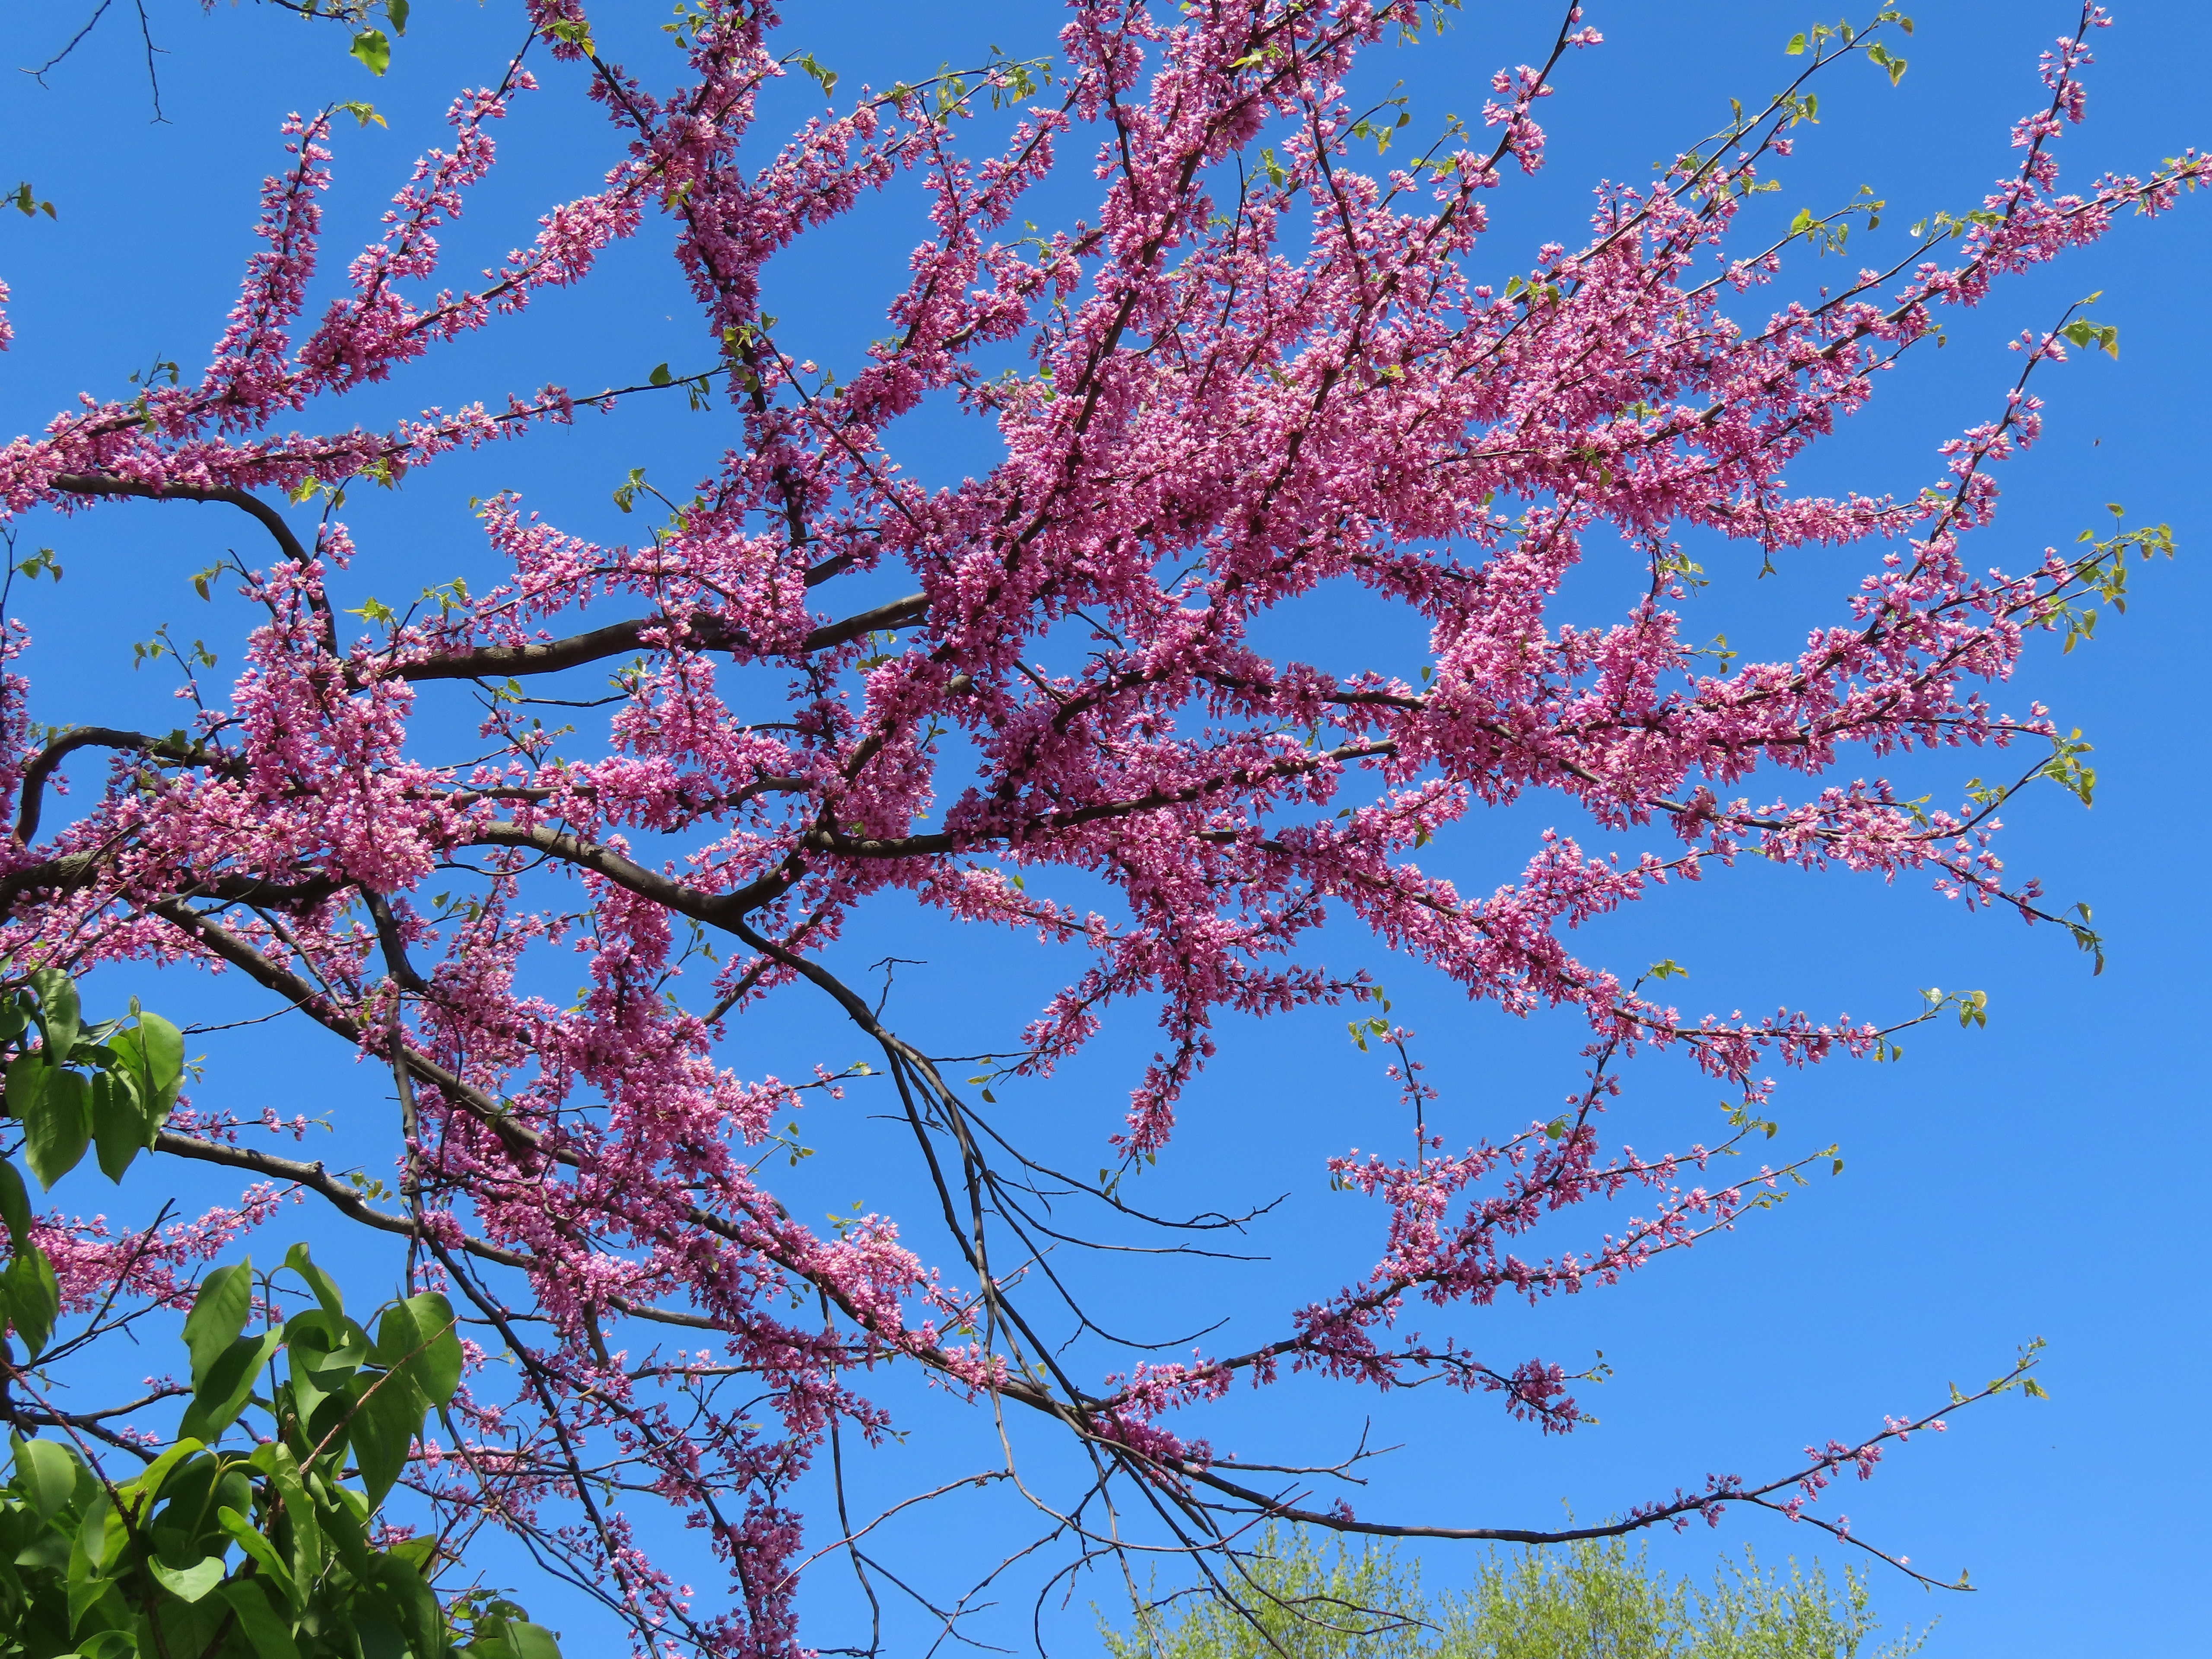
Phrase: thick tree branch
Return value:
(707, 632)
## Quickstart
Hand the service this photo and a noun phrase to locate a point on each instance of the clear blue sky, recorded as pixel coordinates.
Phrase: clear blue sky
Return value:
(2044, 1176)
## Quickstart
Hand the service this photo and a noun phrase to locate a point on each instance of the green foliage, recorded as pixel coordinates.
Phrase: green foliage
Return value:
(277, 1552)
(1592, 1599)
(144, 1568)
(107, 1087)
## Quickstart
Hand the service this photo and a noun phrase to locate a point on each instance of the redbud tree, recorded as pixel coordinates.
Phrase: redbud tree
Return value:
(1268, 356)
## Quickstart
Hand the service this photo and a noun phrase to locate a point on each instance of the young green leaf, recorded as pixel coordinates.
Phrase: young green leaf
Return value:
(374, 50)
(387, 1414)
(155, 1051)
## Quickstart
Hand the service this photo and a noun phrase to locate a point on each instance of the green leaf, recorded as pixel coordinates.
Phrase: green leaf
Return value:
(14, 1206)
(409, 1601)
(100, 1538)
(344, 1516)
(143, 1491)
(374, 51)
(660, 376)
(35, 1299)
(1796, 47)
(242, 1533)
(188, 1584)
(325, 1289)
(218, 1314)
(419, 1335)
(395, 12)
(388, 1415)
(118, 1127)
(155, 1051)
(220, 1392)
(262, 1627)
(324, 1353)
(517, 1638)
(381, 1637)
(59, 1015)
(27, 1080)
(57, 1127)
(276, 1461)
(48, 1475)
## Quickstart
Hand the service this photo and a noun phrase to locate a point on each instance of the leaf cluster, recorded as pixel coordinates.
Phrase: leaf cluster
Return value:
(106, 1088)
(132, 1569)
(94, 1568)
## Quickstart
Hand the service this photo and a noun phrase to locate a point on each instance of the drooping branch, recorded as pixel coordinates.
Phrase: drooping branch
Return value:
(81, 483)
(102, 737)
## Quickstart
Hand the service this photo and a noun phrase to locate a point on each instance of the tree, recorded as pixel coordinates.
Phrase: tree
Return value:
(133, 1565)
(1590, 1599)
(1253, 369)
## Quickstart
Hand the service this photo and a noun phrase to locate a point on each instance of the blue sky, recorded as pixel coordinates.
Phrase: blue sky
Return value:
(2042, 1177)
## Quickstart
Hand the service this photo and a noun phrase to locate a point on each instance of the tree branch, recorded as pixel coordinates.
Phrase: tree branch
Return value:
(709, 632)
(88, 483)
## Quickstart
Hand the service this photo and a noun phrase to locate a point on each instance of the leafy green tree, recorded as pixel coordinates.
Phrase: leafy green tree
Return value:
(1592, 1599)
(275, 1549)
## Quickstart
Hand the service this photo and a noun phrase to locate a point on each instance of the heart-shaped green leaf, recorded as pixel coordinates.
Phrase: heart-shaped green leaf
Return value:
(155, 1051)
(374, 51)
(387, 1417)
(324, 1287)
